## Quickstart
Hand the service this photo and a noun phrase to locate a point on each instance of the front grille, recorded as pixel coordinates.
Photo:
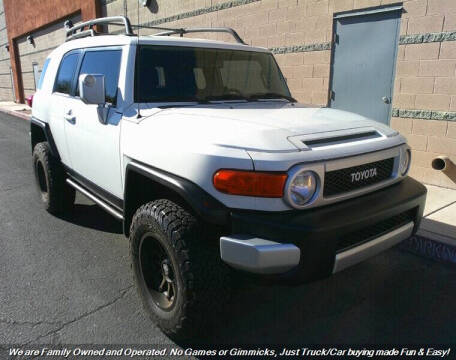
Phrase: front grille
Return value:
(368, 233)
(356, 177)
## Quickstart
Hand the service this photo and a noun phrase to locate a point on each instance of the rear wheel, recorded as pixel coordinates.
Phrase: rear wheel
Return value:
(55, 194)
(180, 277)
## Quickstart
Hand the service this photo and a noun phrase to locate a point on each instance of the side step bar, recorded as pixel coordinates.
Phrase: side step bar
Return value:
(95, 199)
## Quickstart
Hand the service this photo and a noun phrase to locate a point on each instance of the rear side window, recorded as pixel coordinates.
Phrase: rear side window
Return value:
(66, 73)
(107, 63)
(43, 72)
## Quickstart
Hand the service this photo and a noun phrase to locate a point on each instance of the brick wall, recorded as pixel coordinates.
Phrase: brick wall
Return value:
(425, 86)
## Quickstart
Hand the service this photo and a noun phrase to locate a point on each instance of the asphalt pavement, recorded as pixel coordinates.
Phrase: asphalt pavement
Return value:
(68, 281)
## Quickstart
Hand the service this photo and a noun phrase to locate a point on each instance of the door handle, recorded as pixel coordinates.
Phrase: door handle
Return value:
(386, 99)
(69, 117)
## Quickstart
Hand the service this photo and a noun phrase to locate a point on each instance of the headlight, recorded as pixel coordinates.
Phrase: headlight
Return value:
(301, 188)
(405, 162)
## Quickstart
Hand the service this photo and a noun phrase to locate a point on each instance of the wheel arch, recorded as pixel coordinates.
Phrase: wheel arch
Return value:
(144, 183)
(39, 132)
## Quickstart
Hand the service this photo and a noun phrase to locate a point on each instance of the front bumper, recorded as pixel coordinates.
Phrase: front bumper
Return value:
(311, 244)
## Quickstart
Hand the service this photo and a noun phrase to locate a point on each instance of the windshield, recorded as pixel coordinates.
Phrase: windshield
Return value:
(175, 73)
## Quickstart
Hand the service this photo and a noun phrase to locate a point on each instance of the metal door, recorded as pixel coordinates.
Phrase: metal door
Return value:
(364, 60)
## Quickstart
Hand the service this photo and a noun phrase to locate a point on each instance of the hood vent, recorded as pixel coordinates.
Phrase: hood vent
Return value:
(335, 138)
(341, 139)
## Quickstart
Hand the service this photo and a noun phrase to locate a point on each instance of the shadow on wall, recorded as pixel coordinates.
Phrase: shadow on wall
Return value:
(152, 5)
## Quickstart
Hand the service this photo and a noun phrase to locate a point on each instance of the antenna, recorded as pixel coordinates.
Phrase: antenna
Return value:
(137, 70)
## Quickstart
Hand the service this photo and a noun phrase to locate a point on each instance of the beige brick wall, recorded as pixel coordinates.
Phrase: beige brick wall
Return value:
(426, 80)
(426, 76)
(428, 139)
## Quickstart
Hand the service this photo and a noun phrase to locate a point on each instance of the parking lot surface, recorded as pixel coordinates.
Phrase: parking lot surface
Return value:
(68, 281)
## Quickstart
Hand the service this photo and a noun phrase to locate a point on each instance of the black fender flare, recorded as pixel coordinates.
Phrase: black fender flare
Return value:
(45, 128)
(203, 204)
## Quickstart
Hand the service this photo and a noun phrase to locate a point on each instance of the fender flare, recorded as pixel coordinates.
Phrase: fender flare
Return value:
(203, 204)
(47, 134)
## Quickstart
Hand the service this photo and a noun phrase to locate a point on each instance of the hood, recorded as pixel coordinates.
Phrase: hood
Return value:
(261, 126)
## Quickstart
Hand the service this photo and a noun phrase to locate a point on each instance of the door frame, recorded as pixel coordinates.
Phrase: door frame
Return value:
(361, 12)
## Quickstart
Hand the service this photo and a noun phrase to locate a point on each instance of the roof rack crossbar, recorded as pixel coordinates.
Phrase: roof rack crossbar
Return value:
(111, 20)
(183, 31)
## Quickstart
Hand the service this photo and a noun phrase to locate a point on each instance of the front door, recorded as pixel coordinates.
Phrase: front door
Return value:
(364, 59)
(94, 146)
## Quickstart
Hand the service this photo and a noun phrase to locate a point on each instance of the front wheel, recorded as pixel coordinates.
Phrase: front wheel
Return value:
(179, 276)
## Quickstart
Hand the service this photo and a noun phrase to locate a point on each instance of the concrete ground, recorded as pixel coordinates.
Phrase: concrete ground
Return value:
(68, 281)
(19, 110)
(439, 222)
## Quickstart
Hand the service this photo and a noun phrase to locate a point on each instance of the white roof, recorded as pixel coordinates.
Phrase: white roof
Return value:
(196, 42)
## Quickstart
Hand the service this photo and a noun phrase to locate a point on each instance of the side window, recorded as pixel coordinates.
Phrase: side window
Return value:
(107, 63)
(66, 73)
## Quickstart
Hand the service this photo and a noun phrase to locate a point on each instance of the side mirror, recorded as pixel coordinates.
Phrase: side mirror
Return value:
(92, 89)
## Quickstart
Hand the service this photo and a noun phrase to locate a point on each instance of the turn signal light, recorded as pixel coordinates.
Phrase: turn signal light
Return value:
(250, 183)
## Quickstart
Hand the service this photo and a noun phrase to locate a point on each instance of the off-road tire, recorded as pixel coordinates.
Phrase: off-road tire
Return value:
(57, 196)
(203, 281)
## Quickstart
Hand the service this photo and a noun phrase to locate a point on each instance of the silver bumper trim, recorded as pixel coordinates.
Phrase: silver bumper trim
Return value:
(258, 255)
(357, 254)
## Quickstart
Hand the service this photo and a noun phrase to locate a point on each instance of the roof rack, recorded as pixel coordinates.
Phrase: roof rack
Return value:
(71, 30)
(183, 31)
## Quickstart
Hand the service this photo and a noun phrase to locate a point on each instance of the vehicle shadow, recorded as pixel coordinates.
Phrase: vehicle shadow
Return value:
(92, 217)
(394, 298)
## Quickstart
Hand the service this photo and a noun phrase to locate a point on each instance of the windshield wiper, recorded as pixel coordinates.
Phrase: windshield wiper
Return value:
(271, 95)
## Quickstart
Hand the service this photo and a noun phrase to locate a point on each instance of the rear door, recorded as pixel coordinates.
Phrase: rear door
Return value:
(61, 94)
(94, 146)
